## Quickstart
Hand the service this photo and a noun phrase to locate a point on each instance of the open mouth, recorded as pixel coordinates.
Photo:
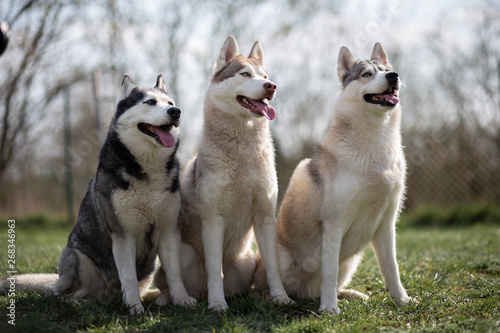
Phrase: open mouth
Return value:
(161, 134)
(261, 106)
(387, 98)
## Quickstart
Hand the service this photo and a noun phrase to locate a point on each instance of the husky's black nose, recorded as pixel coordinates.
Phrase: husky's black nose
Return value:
(392, 77)
(174, 112)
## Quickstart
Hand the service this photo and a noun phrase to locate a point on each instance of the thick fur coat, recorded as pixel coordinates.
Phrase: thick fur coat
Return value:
(349, 193)
(230, 187)
(130, 213)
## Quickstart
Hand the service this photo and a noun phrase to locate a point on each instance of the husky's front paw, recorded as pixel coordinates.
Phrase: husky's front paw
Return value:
(282, 299)
(136, 309)
(329, 309)
(405, 300)
(184, 301)
(219, 306)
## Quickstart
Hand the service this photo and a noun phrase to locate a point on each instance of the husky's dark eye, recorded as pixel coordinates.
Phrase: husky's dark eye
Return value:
(150, 102)
(367, 75)
(245, 74)
(170, 103)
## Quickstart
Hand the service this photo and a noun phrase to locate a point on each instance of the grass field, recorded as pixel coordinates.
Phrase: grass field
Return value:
(454, 272)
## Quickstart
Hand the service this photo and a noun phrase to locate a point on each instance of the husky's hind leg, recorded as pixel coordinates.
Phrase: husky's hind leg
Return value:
(160, 282)
(145, 283)
(347, 269)
(79, 277)
(238, 273)
(69, 280)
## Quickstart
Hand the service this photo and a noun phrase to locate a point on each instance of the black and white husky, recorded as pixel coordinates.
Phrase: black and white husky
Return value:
(130, 213)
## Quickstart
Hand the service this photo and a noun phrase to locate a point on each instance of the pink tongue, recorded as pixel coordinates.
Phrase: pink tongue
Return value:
(393, 99)
(264, 109)
(166, 138)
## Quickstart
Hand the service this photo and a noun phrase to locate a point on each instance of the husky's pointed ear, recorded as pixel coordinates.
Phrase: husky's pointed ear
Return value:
(257, 52)
(227, 53)
(127, 86)
(380, 54)
(345, 62)
(160, 83)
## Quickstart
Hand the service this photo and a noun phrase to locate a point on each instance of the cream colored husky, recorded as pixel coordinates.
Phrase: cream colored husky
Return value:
(349, 193)
(231, 186)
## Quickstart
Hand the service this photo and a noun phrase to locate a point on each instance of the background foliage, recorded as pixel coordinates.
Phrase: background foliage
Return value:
(75, 52)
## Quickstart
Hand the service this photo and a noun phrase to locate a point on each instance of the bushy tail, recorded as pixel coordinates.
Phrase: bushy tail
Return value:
(42, 283)
(151, 295)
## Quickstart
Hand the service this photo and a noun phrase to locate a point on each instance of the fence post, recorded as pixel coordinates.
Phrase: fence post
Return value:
(68, 160)
(97, 97)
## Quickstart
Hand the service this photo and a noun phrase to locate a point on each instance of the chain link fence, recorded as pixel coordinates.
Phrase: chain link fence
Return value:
(452, 165)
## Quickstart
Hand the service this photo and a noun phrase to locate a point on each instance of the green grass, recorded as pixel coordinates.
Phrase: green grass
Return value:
(454, 272)
(446, 216)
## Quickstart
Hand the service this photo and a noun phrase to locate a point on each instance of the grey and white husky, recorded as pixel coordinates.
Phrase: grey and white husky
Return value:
(230, 187)
(349, 193)
(130, 213)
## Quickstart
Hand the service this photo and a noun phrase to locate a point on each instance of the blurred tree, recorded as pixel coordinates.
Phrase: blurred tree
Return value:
(454, 151)
(36, 26)
(451, 72)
